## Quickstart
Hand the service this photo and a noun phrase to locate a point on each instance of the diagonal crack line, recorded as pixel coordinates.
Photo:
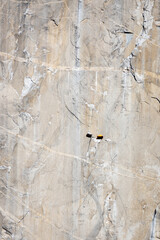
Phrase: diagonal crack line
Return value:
(24, 216)
(54, 67)
(74, 115)
(73, 156)
(137, 176)
(67, 68)
(47, 148)
(132, 71)
(53, 20)
(156, 99)
(10, 233)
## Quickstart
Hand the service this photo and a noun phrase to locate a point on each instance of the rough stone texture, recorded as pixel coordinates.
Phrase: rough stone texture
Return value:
(66, 68)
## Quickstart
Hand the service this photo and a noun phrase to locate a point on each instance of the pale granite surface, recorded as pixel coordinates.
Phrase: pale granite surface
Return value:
(68, 67)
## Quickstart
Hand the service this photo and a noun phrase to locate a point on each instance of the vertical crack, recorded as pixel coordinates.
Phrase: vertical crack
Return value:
(144, 35)
(77, 33)
(155, 226)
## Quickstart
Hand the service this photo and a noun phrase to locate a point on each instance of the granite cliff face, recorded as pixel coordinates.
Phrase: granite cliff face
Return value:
(68, 67)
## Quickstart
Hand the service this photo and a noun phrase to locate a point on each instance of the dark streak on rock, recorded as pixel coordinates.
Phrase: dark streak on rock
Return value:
(53, 20)
(7, 231)
(24, 216)
(156, 99)
(132, 71)
(127, 32)
(73, 114)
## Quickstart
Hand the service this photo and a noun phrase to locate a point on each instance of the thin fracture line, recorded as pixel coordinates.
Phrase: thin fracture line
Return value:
(47, 148)
(74, 156)
(136, 175)
(66, 68)
(47, 65)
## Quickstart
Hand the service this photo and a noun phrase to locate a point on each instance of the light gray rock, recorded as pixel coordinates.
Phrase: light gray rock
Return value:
(67, 68)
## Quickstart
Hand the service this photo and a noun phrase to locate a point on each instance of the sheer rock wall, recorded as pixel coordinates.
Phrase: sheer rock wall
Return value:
(68, 67)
